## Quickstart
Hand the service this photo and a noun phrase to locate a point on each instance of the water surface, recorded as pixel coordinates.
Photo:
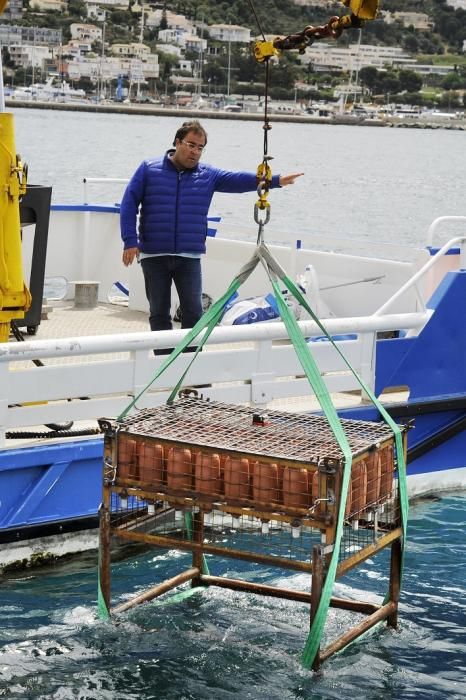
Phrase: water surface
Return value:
(232, 645)
(379, 184)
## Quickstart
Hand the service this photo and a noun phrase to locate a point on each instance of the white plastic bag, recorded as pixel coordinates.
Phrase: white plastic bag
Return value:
(257, 309)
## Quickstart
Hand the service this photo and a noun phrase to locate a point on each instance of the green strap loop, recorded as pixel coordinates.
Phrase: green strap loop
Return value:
(318, 385)
(212, 313)
(207, 320)
(273, 268)
(102, 610)
(401, 462)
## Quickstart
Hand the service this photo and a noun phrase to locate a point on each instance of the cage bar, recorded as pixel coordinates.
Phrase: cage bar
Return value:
(220, 479)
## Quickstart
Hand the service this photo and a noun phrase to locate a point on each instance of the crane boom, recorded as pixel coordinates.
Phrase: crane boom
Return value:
(15, 298)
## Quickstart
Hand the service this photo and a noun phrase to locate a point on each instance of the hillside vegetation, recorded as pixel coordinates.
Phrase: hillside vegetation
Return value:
(284, 17)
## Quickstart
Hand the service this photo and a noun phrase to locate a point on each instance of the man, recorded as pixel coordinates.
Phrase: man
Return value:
(174, 193)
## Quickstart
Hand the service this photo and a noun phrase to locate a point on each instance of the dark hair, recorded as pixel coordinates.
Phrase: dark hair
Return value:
(186, 127)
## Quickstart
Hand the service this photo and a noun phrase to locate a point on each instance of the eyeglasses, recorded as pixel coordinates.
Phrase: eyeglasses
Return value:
(193, 146)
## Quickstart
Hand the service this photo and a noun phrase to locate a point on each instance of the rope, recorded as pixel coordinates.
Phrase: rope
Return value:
(253, 10)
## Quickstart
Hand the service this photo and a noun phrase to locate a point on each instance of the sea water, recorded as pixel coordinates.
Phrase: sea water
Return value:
(224, 644)
(377, 184)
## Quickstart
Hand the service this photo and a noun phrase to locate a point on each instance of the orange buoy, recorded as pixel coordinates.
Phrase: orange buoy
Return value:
(296, 492)
(150, 461)
(237, 478)
(127, 464)
(179, 468)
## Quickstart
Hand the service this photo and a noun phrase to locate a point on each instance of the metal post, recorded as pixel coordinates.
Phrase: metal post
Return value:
(229, 67)
(104, 547)
(395, 581)
(316, 592)
(198, 536)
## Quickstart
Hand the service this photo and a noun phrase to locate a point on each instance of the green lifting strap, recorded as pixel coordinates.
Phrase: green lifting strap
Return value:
(207, 321)
(401, 462)
(102, 610)
(312, 372)
(275, 271)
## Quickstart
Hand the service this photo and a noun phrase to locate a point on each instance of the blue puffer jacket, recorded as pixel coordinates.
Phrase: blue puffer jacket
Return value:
(174, 204)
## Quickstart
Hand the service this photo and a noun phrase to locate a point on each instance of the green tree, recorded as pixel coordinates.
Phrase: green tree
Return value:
(389, 83)
(453, 81)
(369, 76)
(410, 43)
(449, 99)
(409, 80)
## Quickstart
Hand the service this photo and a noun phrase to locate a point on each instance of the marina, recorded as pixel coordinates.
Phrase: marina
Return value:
(288, 113)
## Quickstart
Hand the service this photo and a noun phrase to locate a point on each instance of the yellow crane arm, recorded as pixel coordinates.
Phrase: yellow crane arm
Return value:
(15, 298)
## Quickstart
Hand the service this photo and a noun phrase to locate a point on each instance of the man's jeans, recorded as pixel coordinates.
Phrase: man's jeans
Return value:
(159, 273)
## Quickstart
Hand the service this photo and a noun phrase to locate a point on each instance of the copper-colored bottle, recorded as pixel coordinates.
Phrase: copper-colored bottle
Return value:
(348, 508)
(150, 461)
(265, 484)
(127, 464)
(386, 471)
(207, 476)
(296, 492)
(358, 486)
(373, 478)
(179, 469)
(237, 478)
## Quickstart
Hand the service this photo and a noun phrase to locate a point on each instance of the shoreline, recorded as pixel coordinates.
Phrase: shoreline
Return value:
(155, 111)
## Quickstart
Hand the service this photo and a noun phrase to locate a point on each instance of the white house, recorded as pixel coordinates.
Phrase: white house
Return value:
(25, 55)
(171, 36)
(194, 43)
(132, 50)
(230, 32)
(173, 21)
(110, 67)
(96, 12)
(419, 20)
(326, 57)
(185, 66)
(85, 32)
(43, 5)
(76, 48)
(318, 3)
(110, 4)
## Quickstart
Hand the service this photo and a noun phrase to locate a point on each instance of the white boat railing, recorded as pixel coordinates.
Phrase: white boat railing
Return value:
(246, 364)
(434, 260)
(101, 180)
(441, 220)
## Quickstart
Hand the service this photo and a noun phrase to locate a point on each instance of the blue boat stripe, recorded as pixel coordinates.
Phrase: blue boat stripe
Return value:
(37, 492)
